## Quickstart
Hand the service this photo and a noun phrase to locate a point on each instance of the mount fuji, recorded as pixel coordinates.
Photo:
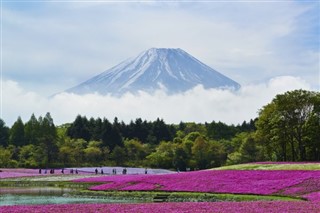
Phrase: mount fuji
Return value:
(157, 68)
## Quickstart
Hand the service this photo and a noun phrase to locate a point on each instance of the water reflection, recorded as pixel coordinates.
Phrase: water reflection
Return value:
(34, 190)
(49, 195)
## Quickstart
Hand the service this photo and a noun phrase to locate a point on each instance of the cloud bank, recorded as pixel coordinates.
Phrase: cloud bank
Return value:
(196, 105)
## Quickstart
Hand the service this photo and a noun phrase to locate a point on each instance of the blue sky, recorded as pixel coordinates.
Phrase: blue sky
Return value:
(49, 46)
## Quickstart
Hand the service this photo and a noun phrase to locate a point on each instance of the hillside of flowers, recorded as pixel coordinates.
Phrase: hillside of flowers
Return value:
(295, 183)
(229, 207)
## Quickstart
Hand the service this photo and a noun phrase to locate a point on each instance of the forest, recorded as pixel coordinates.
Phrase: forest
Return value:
(286, 129)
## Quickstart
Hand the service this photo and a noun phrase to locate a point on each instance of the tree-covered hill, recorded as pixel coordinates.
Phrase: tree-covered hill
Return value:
(287, 129)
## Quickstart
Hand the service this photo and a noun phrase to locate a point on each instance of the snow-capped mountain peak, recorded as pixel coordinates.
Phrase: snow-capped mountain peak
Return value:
(173, 69)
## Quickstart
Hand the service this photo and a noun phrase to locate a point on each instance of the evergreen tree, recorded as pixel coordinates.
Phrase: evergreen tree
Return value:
(161, 131)
(4, 134)
(17, 136)
(80, 129)
(111, 135)
(138, 130)
(95, 128)
(48, 139)
(32, 131)
(217, 131)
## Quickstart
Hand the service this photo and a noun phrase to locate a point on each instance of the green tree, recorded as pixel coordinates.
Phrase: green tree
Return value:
(193, 127)
(249, 150)
(17, 137)
(93, 152)
(218, 154)
(4, 134)
(234, 158)
(180, 158)
(5, 157)
(48, 140)
(200, 152)
(78, 146)
(220, 130)
(161, 131)
(163, 157)
(32, 129)
(111, 135)
(136, 152)
(286, 124)
(71, 151)
(80, 128)
(96, 128)
(118, 155)
(27, 156)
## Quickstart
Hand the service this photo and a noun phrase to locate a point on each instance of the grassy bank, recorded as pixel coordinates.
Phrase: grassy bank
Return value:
(271, 166)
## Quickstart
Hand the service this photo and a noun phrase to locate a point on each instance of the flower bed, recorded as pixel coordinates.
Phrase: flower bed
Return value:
(215, 181)
(314, 196)
(14, 173)
(261, 206)
(305, 187)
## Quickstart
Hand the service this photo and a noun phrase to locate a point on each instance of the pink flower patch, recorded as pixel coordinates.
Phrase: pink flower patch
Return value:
(186, 207)
(315, 196)
(259, 182)
(140, 186)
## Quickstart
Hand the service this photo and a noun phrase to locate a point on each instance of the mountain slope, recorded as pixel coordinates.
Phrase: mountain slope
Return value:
(172, 69)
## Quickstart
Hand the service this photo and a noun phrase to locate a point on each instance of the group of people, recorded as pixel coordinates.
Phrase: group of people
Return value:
(96, 171)
(62, 171)
(45, 171)
(114, 171)
(124, 171)
(75, 171)
(72, 171)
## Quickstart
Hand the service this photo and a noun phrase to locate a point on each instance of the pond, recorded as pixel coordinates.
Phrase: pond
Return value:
(50, 195)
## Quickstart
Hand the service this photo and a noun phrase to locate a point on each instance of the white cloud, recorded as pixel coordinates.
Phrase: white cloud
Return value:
(59, 45)
(197, 105)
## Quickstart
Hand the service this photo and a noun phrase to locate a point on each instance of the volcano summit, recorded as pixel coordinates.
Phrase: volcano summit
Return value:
(157, 68)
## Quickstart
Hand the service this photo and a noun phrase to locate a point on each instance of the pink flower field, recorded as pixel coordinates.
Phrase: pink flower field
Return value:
(14, 173)
(228, 207)
(258, 182)
(303, 184)
(17, 173)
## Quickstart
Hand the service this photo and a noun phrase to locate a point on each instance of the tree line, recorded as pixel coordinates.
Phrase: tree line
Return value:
(287, 129)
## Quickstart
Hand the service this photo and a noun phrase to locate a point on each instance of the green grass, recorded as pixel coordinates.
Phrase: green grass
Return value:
(252, 166)
(185, 196)
(59, 184)
(177, 196)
